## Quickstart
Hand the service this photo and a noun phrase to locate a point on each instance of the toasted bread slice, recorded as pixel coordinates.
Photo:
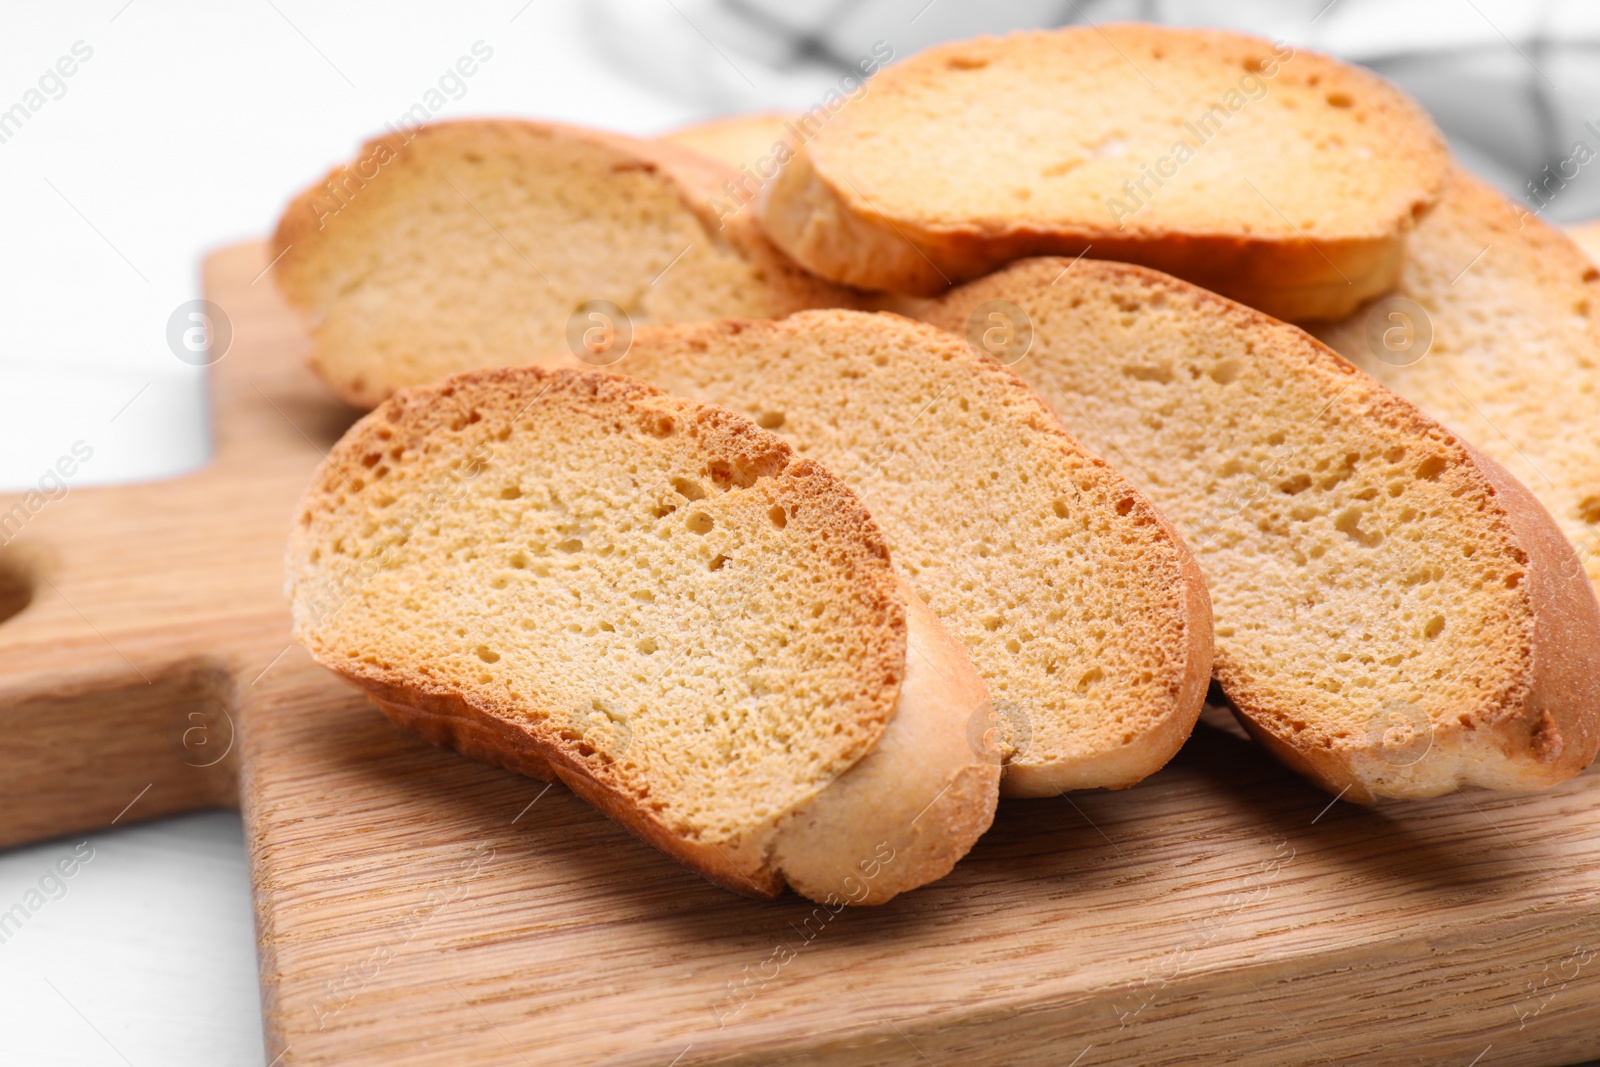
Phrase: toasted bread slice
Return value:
(1287, 180)
(471, 244)
(1396, 616)
(1587, 236)
(741, 141)
(658, 603)
(1495, 331)
(1080, 607)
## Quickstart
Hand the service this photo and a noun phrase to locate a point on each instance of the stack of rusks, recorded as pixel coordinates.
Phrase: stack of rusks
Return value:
(793, 486)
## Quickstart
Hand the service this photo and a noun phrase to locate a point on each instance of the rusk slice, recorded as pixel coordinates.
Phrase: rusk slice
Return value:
(1495, 331)
(1396, 616)
(471, 244)
(1287, 180)
(1079, 605)
(658, 603)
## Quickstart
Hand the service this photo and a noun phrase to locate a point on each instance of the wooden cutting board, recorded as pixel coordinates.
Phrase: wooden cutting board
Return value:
(416, 908)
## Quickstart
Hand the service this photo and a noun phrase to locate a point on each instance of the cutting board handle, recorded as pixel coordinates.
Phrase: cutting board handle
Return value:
(91, 752)
(136, 619)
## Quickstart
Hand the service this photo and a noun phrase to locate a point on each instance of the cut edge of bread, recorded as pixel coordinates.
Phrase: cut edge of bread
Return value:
(1544, 736)
(1546, 727)
(698, 180)
(1104, 765)
(912, 783)
(1506, 309)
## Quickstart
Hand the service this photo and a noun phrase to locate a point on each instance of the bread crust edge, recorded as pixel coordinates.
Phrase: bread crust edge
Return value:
(839, 235)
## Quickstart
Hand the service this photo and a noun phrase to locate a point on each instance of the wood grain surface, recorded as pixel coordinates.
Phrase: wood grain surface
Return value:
(416, 908)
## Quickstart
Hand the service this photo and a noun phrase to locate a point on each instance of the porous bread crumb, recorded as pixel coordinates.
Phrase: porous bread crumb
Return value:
(477, 243)
(1495, 331)
(1390, 611)
(658, 596)
(1077, 603)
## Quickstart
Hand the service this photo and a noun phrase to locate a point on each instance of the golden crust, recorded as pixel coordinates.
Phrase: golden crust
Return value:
(913, 806)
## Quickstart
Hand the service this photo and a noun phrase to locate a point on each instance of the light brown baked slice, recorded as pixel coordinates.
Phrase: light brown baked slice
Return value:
(741, 141)
(472, 244)
(1495, 331)
(1287, 180)
(1077, 602)
(1587, 236)
(1396, 616)
(661, 605)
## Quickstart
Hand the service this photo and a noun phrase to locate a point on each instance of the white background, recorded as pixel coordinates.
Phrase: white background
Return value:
(189, 128)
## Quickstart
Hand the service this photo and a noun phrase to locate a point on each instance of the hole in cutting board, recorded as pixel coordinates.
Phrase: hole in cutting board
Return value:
(16, 588)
